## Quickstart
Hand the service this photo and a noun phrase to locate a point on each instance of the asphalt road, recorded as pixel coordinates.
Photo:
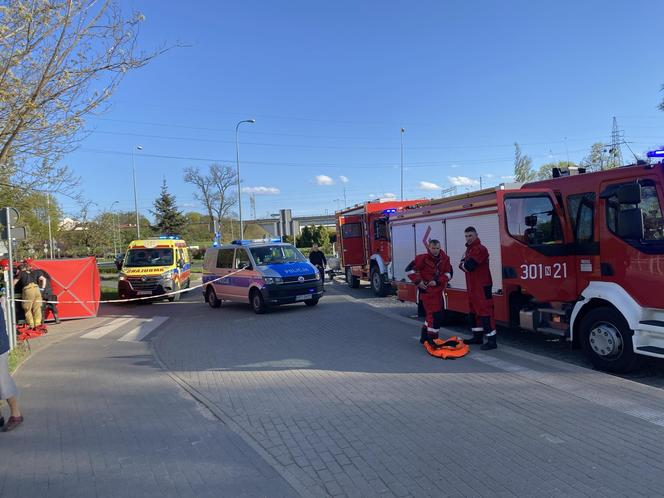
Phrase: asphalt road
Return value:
(651, 374)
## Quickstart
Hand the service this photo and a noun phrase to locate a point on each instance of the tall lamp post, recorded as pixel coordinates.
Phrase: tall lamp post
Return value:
(402, 132)
(237, 156)
(115, 228)
(133, 169)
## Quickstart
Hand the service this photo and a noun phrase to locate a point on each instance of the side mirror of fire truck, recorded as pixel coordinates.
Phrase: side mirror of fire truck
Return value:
(629, 194)
(630, 223)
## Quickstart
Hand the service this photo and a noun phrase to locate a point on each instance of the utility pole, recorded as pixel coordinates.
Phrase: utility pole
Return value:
(252, 203)
(616, 140)
(48, 216)
(402, 132)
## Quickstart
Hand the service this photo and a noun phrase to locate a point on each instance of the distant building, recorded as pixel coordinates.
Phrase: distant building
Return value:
(284, 223)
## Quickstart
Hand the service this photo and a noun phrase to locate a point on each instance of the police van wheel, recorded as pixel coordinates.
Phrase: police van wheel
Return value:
(607, 341)
(312, 302)
(258, 303)
(211, 298)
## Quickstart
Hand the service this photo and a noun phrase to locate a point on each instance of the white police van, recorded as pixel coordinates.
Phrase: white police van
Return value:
(260, 272)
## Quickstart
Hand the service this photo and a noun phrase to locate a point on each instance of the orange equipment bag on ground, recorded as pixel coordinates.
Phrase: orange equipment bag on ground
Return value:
(448, 349)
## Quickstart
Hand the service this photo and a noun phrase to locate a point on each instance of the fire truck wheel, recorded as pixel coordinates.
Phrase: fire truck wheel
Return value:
(377, 285)
(257, 302)
(607, 340)
(211, 298)
(352, 281)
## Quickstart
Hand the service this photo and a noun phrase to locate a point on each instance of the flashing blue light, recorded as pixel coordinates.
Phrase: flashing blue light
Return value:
(245, 242)
(389, 211)
(656, 153)
(169, 237)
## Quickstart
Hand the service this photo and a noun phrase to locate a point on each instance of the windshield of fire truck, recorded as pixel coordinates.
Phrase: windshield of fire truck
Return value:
(533, 220)
(149, 257)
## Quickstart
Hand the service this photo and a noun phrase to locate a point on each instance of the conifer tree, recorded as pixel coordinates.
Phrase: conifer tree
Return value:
(169, 220)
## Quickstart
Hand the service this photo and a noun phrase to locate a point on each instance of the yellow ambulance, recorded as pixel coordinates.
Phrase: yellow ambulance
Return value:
(154, 267)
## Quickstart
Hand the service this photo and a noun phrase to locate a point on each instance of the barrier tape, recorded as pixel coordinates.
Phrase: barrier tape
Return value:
(127, 300)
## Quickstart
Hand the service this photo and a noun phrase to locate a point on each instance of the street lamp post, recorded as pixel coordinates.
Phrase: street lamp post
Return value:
(48, 215)
(237, 156)
(402, 132)
(133, 169)
(115, 228)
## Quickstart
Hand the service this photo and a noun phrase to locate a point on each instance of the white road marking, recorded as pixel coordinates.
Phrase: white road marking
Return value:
(109, 327)
(141, 332)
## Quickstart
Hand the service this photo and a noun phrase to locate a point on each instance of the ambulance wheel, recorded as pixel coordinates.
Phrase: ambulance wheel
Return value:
(352, 281)
(211, 298)
(312, 302)
(377, 285)
(257, 302)
(607, 341)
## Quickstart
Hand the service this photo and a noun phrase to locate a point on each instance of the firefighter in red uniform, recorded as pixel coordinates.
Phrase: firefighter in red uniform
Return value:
(431, 272)
(475, 264)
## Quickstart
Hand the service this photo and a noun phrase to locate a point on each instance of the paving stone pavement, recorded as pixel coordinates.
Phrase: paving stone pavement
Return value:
(342, 401)
(102, 419)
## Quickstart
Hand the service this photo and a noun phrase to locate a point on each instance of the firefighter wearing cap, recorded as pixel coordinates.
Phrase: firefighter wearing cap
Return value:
(475, 264)
(431, 272)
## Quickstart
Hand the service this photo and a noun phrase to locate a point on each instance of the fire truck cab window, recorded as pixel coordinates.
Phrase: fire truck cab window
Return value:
(350, 230)
(225, 258)
(380, 229)
(533, 220)
(582, 213)
(653, 222)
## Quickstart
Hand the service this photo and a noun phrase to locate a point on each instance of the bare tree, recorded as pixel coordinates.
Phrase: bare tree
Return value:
(60, 60)
(203, 184)
(215, 189)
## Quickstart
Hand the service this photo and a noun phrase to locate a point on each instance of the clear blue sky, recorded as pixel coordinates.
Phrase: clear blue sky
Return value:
(330, 84)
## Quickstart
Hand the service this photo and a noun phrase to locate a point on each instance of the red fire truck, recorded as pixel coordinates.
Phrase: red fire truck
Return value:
(579, 256)
(362, 232)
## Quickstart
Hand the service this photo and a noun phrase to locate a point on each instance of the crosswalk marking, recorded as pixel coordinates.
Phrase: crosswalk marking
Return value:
(105, 329)
(141, 332)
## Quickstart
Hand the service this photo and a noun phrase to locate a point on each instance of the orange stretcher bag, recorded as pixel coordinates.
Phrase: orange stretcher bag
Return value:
(447, 349)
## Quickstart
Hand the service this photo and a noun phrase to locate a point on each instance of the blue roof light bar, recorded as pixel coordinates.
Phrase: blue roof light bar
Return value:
(245, 242)
(656, 153)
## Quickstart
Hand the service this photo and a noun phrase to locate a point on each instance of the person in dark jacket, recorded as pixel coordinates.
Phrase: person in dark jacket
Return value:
(49, 299)
(317, 258)
(28, 285)
(8, 390)
(475, 264)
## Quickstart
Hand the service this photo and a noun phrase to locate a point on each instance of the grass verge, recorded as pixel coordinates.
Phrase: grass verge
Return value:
(17, 355)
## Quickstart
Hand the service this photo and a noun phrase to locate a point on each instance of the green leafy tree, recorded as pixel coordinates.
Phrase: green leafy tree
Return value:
(523, 170)
(169, 220)
(198, 228)
(599, 158)
(311, 235)
(546, 170)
